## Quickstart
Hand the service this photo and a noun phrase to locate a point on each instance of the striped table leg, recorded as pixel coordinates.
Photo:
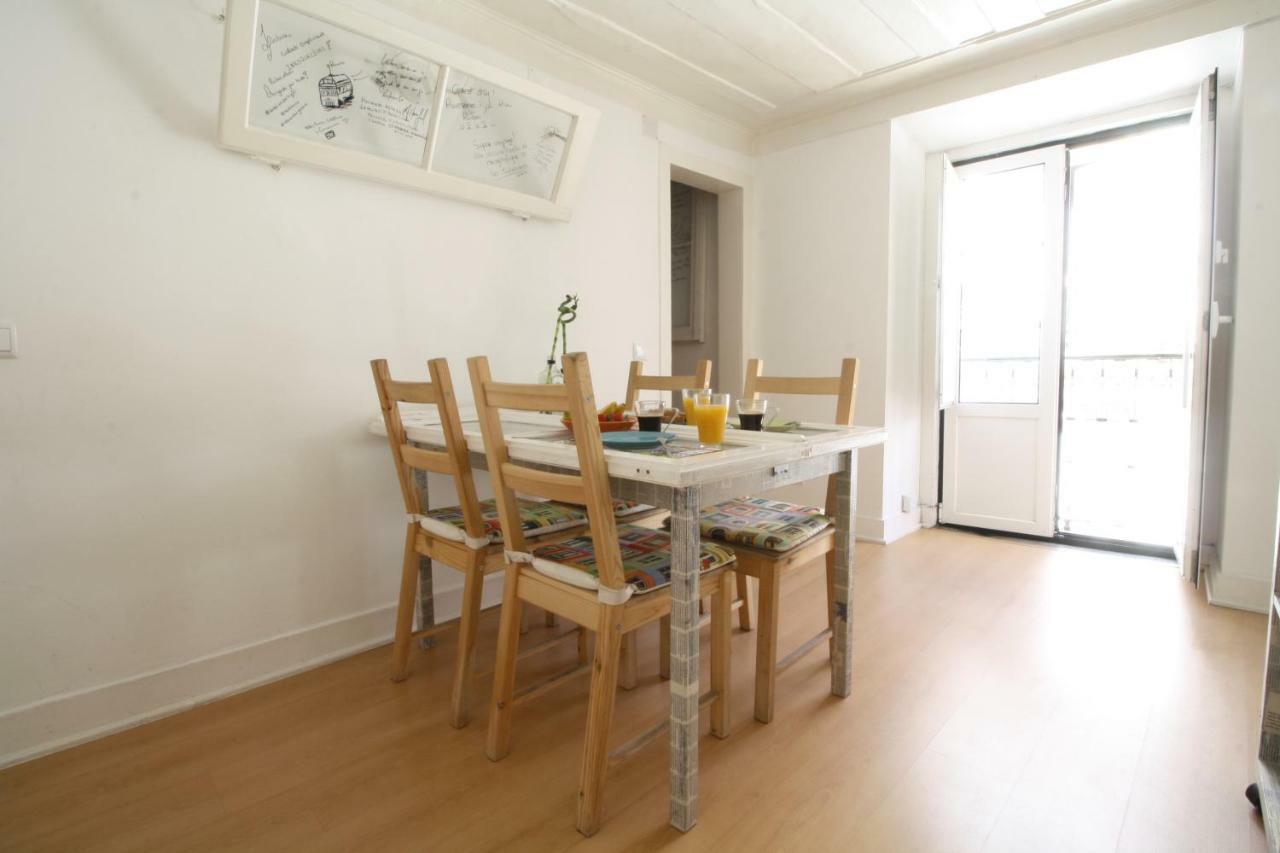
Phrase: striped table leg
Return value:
(846, 484)
(684, 657)
(426, 595)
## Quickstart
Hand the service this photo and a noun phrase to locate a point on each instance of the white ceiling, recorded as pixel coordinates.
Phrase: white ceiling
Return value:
(764, 63)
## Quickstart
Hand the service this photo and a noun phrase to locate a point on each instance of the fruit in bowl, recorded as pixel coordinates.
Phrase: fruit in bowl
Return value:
(613, 418)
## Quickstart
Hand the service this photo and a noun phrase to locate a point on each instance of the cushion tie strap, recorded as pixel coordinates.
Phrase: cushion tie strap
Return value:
(615, 596)
(572, 576)
(448, 531)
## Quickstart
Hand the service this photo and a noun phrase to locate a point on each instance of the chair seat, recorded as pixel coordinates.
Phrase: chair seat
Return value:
(646, 559)
(763, 524)
(539, 518)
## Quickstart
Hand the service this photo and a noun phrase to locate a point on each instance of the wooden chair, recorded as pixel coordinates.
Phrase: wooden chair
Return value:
(638, 381)
(798, 537)
(459, 537)
(587, 580)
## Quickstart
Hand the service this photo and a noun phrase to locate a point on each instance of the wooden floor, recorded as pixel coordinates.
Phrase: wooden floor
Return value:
(1008, 696)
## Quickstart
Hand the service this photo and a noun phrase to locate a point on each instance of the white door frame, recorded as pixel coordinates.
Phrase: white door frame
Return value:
(735, 238)
(1040, 470)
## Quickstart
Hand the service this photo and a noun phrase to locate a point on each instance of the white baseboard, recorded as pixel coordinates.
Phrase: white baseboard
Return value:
(882, 531)
(1241, 593)
(59, 722)
(869, 529)
(900, 525)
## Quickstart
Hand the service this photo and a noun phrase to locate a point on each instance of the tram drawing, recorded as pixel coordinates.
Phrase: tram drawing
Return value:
(336, 90)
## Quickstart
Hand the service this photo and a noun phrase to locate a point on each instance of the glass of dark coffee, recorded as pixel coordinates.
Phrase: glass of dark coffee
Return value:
(649, 415)
(751, 414)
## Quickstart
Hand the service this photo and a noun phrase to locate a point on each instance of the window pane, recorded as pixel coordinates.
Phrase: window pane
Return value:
(1001, 246)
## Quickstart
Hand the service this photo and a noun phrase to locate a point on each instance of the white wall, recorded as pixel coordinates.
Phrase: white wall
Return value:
(1247, 544)
(189, 499)
(840, 222)
(902, 404)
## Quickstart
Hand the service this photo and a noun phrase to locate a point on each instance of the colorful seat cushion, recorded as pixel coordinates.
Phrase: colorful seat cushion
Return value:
(626, 509)
(762, 523)
(646, 559)
(538, 518)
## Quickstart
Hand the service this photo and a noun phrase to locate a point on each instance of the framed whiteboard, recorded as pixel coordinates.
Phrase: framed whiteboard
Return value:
(314, 82)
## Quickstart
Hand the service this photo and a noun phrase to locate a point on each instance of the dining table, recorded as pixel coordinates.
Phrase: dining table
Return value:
(684, 476)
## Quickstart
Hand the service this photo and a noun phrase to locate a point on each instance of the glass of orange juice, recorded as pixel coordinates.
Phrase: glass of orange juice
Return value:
(689, 398)
(711, 415)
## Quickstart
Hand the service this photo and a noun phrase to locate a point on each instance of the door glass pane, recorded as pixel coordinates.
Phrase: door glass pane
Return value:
(1001, 263)
(1130, 275)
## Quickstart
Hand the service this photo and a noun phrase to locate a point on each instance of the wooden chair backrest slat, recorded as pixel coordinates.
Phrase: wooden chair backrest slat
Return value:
(411, 392)
(588, 488)
(454, 461)
(808, 385)
(557, 487)
(637, 381)
(427, 460)
(843, 387)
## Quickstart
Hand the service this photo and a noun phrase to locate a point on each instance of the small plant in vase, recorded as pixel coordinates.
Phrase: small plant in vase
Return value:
(566, 313)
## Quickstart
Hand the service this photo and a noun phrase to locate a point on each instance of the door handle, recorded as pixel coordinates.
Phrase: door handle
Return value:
(1216, 319)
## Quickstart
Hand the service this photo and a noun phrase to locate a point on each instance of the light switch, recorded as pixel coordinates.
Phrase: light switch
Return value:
(8, 340)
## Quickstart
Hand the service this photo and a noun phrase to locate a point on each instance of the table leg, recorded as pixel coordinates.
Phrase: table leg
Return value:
(846, 484)
(685, 564)
(426, 595)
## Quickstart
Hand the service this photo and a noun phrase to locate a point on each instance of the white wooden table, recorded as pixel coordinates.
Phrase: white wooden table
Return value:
(750, 463)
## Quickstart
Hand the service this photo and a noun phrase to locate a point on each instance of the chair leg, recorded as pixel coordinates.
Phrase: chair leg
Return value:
(504, 670)
(627, 676)
(747, 611)
(549, 619)
(767, 644)
(664, 647)
(524, 621)
(604, 686)
(582, 645)
(721, 637)
(404, 608)
(473, 586)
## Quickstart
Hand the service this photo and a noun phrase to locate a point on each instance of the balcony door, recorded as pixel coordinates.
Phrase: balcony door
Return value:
(1002, 281)
(1074, 383)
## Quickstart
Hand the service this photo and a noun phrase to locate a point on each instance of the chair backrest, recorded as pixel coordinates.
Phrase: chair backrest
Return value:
(843, 387)
(453, 461)
(637, 381)
(588, 488)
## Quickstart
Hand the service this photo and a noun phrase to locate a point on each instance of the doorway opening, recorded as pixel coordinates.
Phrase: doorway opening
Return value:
(704, 231)
(695, 290)
(1074, 273)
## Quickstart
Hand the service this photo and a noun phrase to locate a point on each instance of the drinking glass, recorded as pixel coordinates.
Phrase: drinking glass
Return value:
(751, 414)
(649, 414)
(712, 415)
(689, 398)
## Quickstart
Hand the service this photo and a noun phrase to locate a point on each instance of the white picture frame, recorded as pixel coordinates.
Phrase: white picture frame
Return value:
(237, 132)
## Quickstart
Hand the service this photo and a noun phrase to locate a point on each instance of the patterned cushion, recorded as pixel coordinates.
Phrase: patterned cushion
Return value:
(625, 509)
(646, 558)
(762, 523)
(537, 517)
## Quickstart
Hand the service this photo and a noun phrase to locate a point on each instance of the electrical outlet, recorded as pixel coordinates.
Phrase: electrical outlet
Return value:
(906, 503)
(8, 340)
